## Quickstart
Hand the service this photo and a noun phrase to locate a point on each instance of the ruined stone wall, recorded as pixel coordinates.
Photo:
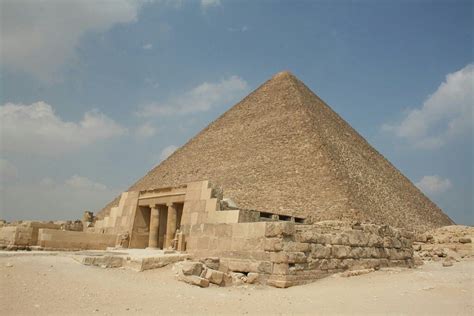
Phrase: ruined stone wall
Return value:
(286, 254)
(24, 234)
(70, 240)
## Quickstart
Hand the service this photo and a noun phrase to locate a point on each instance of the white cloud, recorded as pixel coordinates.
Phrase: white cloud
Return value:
(445, 114)
(434, 184)
(199, 99)
(38, 37)
(54, 200)
(147, 46)
(36, 129)
(145, 130)
(210, 3)
(83, 183)
(167, 151)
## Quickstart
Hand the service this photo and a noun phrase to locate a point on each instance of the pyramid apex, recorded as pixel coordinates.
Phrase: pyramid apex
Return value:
(283, 74)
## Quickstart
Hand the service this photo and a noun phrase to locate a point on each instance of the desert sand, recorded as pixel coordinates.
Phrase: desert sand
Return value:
(58, 285)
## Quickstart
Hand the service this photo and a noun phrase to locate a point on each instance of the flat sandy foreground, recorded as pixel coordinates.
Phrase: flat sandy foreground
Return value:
(58, 285)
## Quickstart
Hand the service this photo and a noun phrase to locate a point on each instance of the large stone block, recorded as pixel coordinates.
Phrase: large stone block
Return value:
(279, 229)
(294, 246)
(341, 252)
(279, 257)
(320, 251)
(191, 268)
(273, 244)
(214, 276)
(280, 268)
(357, 238)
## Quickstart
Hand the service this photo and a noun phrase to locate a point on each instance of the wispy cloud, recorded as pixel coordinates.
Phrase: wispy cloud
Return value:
(147, 46)
(38, 37)
(199, 99)
(210, 3)
(36, 129)
(445, 114)
(145, 130)
(434, 184)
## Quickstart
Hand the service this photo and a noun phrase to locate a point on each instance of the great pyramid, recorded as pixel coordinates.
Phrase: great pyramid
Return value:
(282, 149)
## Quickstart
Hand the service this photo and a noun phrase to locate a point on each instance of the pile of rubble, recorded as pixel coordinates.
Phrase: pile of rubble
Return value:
(448, 244)
(210, 271)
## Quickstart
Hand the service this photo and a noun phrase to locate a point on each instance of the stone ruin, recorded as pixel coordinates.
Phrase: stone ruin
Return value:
(279, 190)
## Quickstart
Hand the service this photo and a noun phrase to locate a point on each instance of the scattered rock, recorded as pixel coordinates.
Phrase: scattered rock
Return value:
(351, 273)
(465, 240)
(194, 280)
(8, 265)
(252, 277)
(447, 263)
(192, 268)
(214, 276)
(211, 262)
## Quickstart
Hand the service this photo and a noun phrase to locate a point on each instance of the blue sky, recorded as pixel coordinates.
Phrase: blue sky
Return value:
(95, 93)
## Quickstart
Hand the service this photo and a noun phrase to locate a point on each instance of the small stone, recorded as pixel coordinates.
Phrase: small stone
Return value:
(8, 265)
(252, 277)
(465, 240)
(447, 263)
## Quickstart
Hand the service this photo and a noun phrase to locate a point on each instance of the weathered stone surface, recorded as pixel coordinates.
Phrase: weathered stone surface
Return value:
(211, 262)
(192, 268)
(273, 244)
(279, 229)
(465, 240)
(341, 251)
(194, 280)
(252, 277)
(214, 276)
(320, 251)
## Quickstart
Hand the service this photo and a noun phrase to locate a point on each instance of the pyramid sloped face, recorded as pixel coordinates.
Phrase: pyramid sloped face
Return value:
(283, 150)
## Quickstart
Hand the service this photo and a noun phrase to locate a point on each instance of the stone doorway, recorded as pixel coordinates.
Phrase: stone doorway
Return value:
(165, 220)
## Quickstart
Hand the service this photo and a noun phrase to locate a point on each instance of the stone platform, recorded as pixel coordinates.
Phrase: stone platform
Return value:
(134, 259)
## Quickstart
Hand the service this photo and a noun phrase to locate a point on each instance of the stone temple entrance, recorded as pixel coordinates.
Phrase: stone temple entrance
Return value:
(165, 220)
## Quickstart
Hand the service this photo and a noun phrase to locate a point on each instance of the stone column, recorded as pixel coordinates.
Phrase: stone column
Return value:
(154, 227)
(170, 225)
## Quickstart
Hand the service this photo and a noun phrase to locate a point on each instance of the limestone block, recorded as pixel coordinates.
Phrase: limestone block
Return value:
(406, 243)
(320, 251)
(293, 246)
(297, 257)
(341, 252)
(223, 230)
(192, 268)
(278, 229)
(194, 280)
(280, 268)
(264, 267)
(279, 257)
(273, 244)
(340, 239)
(252, 277)
(211, 262)
(357, 238)
(357, 252)
(374, 241)
(214, 276)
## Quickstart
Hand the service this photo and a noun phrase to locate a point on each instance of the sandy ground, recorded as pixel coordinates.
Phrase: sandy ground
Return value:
(57, 285)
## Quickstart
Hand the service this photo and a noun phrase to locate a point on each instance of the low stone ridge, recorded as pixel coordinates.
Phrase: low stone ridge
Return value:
(283, 149)
(210, 271)
(284, 254)
(448, 244)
